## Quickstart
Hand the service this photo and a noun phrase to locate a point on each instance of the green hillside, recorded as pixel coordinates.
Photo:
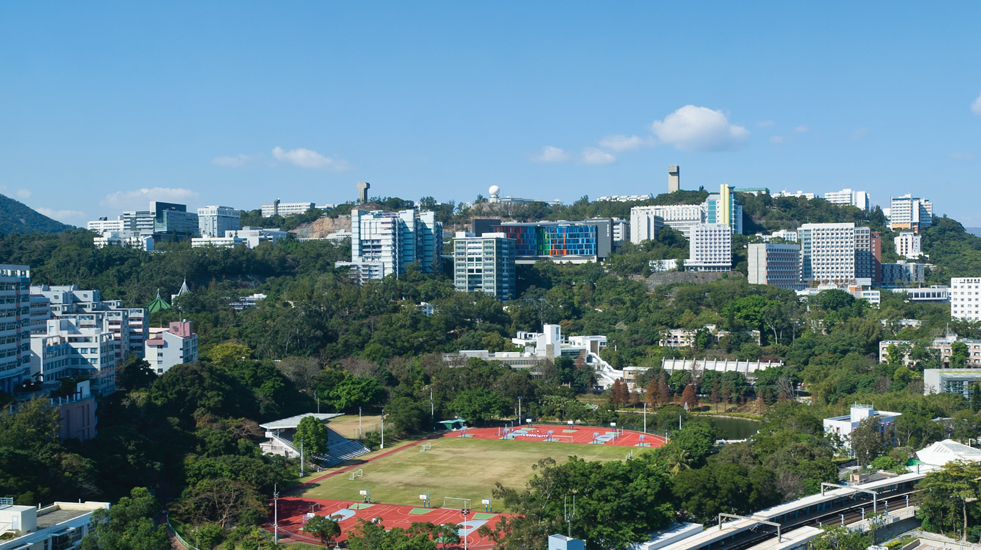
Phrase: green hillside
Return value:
(17, 217)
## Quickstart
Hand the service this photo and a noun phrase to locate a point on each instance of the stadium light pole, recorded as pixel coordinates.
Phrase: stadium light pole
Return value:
(519, 410)
(276, 512)
(645, 417)
(360, 431)
(383, 428)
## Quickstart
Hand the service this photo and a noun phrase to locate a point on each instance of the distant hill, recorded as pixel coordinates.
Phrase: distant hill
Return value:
(973, 230)
(17, 217)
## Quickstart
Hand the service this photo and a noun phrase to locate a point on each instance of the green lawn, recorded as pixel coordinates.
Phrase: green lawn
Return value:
(454, 467)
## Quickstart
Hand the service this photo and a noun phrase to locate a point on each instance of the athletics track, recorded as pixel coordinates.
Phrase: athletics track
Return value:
(584, 435)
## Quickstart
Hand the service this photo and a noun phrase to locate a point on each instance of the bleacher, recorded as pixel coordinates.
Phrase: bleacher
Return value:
(340, 449)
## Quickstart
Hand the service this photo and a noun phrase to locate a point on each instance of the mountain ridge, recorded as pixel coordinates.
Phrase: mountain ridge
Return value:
(17, 217)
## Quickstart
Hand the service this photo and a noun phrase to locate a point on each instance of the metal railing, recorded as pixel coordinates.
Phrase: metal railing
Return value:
(178, 536)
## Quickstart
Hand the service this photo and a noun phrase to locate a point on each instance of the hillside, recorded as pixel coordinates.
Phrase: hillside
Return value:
(17, 217)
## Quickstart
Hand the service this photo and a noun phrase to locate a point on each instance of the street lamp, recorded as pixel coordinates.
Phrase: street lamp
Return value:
(276, 512)
(465, 512)
(383, 428)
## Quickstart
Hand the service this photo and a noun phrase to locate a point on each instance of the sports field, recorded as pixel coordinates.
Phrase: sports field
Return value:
(453, 467)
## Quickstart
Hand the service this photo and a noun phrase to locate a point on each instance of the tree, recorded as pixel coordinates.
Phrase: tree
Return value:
(841, 538)
(868, 442)
(325, 528)
(227, 353)
(663, 392)
(689, 398)
(479, 405)
(312, 435)
(134, 374)
(948, 494)
(651, 396)
(221, 501)
(128, 525)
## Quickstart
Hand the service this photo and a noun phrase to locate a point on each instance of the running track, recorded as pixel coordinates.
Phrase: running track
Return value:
(563, 434)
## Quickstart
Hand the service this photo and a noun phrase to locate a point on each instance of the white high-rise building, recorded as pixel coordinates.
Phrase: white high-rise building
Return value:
(129, 324)
(621, 232)
(836, 253)
(213, 221)
(710, 248)
(859, 199)
(965, 298)
(908, 245)
(774, 264)
(385, 243)
(484, 264)
(15, 325)
(175, 345)
(911, 213)
(75, 346)
(680, 217)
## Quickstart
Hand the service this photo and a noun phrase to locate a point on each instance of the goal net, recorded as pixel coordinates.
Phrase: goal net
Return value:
(454, 503)
(562, 439)
(357, 473)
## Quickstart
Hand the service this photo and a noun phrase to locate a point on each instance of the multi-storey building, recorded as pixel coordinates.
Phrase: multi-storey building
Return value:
(798, 195)
(858, 199)
(965, 298)
(909, 212)
(248, 236)
(40, 313)
(621, 232)
(774, 264)
(74, 346)
(128, 239)
(175, 345)
(385, 243)
(710, 248)
(783, 234)
(162, 219)
(59, 526)
(836, 253)
(484, 264)
(15, 325)
(909, 245)
(724, 209)
(129, 324)
(645, 221)
(902, 273)
(214, 221)
(286, 209)
(103, 224)
(562, 241)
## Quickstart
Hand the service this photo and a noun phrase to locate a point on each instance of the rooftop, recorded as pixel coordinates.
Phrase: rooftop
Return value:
(294, 421)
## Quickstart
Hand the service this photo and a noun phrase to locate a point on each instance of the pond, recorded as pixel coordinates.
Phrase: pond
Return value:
(735, 428)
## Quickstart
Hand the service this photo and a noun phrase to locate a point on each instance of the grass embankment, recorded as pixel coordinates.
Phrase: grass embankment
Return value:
(454, 467)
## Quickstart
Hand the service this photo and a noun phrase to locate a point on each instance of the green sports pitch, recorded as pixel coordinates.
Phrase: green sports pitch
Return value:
(453, 467)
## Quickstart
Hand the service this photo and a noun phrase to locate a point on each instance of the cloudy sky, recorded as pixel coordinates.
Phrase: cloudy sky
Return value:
(105, 106)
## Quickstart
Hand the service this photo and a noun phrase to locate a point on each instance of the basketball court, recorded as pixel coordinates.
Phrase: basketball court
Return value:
(584, 435)
(294, 511)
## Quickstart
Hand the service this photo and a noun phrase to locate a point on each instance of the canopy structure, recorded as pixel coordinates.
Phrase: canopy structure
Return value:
(158, 304)
(454, 424)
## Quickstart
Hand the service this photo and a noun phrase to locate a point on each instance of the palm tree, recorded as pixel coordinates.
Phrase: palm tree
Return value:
(678, 460)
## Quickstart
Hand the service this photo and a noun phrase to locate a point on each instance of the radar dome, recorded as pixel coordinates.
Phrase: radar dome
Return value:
(494, 190)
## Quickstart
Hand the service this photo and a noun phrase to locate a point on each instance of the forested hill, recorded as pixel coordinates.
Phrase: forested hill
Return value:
(17, 217)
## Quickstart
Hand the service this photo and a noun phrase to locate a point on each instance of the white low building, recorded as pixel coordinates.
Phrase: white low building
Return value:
(175, 345)
(59, 526)
(948, 450)
(248, 236)
(845, 425)
(128, 239)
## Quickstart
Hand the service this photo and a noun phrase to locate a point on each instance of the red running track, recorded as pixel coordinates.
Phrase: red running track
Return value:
(292, 511)
(583, 435)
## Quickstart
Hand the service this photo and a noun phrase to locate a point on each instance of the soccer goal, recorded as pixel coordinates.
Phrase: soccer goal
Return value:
(454, 503)
(425, 447)
(561, 438)
(355, 474)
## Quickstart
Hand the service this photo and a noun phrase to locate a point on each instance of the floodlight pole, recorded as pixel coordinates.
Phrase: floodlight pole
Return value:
(360, 431)
(383, 428)
(432, 407)
(519, 410)
(301, 459)
(645, 417)
(276, 512)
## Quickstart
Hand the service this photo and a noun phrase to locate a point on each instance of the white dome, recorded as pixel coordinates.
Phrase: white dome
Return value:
(494, 190)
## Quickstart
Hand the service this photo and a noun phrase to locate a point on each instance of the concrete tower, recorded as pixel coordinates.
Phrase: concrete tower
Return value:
(363, 187)
(674, 178)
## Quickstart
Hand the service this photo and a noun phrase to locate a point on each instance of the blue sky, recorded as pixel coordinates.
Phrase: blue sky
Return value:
(105, 106)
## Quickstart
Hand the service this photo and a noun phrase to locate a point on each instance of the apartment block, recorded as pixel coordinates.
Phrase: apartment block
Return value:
(386, 243)
(646, 221)
(76, 346)
(837, 253)
(774, 264)
(15, 325)
(214, 221)
(909, 245)
(911, 213)
(621, 232)
(859, 199)
(484, 264)
(286, 209)
(723, 208)
(175, 345)
(562, 241)
(965, 298)
(903, 274)
(129, 324)
(710, 248)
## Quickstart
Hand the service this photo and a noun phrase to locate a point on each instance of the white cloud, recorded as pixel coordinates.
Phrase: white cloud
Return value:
(23, 194)
(777, 140)
(140, 198)
(696, 129)
(592, 155)
(976, 106)
(802, 129)
(64, 216)
(860, 133)
(307, 158)
(234, 162)
(962, 156)
(551, 154)
(620, 143)
(764, 124)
